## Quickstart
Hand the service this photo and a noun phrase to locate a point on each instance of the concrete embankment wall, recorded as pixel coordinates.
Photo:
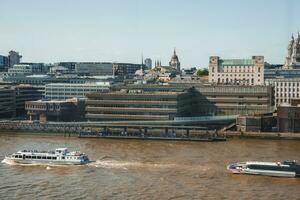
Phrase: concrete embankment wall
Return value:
(13, 127)
(39, 129)
(263, 135)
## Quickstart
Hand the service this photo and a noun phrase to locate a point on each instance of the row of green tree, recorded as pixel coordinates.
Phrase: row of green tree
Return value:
(202, 72)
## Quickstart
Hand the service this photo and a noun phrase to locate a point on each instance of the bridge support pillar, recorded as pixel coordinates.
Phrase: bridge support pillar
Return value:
(173, 132)
(187, 132)
(105, 130)
(145, 131)
(125, 131)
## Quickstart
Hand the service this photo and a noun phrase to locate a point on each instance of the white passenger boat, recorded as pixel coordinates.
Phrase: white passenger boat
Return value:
(61, 156)
(283, 169)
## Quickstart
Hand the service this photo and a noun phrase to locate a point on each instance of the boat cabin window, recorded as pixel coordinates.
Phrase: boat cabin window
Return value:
(38, 157)
(48, 157)
(269, 167)
(44, 157)
(63, 157)
(289, 162)
(53, 158)
(33, 157)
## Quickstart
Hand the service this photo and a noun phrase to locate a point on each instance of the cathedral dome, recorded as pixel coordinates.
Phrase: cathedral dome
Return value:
(174, 57)
(174, 62)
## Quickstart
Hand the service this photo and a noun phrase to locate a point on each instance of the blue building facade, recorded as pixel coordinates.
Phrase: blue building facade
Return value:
(3, 63)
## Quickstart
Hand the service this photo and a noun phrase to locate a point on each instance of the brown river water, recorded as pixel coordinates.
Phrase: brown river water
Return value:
(131, 169)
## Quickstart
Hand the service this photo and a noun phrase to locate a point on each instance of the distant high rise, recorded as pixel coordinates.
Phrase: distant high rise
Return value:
(148, 63)
(94, 68)
(3, 63)
(69, 65)
(293, 54)
(174, 63)
(13, 58)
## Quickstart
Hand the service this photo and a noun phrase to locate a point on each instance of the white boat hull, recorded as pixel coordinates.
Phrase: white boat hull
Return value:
(61, 156)
(264, 168)
(43, 162)
(270, 173)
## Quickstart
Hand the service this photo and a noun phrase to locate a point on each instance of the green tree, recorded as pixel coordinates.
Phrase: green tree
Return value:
(202, 72)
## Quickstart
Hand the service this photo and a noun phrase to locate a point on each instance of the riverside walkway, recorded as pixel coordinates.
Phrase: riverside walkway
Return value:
(183, 123)
(121, 130)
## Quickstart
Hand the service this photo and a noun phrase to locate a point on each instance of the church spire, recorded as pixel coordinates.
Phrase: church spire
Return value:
(142, 57)
(293, 57)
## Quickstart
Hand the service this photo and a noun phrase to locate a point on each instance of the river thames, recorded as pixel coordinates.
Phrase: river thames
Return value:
(131, 169)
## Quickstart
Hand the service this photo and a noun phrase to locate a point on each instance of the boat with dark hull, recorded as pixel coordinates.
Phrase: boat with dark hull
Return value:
(61, 156)
(282, 169)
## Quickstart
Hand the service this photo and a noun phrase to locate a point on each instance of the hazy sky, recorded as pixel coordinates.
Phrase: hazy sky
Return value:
(120, 30)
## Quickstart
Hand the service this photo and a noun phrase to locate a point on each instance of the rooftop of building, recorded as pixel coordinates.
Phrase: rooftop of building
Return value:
(25, 86)
(237, 62)
(191, 84)
(80, 84)
(5, 87)
(288, 105)
(22, 65)
(54, 101)
(283, 79)
(94, 63)
(135, 93)
(38, 76)
(102, 77)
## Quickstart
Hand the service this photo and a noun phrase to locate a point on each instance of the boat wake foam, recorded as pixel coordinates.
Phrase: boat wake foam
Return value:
(126, 165)
(9, 162)
(115, 164)
(108, 163)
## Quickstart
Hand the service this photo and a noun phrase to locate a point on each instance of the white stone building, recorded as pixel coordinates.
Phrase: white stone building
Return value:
(237, 71)
(20, 69)
(63, 91)
(285, 89)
